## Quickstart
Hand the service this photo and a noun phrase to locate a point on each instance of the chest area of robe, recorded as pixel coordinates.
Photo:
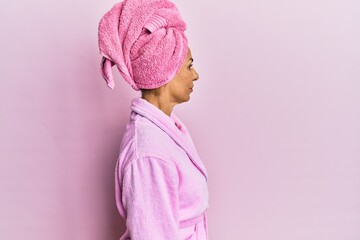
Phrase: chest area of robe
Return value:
(143, 138)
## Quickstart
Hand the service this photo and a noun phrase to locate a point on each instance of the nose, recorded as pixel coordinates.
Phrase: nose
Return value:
(196, 75)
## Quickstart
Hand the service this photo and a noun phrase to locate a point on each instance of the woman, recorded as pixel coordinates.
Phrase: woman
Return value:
(160, 181)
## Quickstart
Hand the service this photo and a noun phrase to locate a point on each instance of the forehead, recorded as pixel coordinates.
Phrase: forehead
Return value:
(189, 55)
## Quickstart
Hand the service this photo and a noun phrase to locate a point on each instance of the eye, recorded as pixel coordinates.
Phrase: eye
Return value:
(190, 66)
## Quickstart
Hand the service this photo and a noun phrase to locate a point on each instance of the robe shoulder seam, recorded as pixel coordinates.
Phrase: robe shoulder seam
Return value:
(151, 157)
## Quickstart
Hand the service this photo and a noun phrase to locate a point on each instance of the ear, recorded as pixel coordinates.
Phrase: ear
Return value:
(106, 73)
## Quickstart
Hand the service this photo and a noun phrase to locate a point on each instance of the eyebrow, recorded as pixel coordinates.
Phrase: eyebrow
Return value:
(191, 59)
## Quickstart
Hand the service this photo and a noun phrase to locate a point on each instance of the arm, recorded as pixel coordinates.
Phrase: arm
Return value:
(150, 197)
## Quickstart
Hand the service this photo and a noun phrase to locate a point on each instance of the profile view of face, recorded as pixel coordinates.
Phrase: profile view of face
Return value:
(181, 86)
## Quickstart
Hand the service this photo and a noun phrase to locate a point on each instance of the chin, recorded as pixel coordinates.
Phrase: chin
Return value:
(183, 98)
(187, 98)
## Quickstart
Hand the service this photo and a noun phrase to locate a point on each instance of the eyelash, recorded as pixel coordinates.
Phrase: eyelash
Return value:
(190, 66)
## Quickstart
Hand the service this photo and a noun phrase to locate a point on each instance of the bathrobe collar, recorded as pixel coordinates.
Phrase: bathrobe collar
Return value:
(170, 125)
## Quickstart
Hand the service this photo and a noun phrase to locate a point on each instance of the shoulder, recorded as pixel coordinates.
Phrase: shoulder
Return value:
(142, 138)
(151, 140)
(152, 169)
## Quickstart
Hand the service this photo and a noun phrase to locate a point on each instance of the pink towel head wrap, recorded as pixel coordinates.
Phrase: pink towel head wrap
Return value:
(145, 39)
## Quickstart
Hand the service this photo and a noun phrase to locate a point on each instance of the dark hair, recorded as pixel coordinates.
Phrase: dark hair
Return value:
(154, 91)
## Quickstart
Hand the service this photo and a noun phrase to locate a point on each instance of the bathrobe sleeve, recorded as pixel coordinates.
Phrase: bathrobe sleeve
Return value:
(150, 197)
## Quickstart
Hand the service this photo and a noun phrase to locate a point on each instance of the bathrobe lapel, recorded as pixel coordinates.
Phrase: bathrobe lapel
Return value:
(170, 125)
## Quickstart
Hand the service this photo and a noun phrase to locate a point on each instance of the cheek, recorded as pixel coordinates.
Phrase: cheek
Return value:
(178, 86)
(183, 81)
(186, 76)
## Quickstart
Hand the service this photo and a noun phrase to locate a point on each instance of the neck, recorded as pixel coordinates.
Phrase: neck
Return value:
(160, 101)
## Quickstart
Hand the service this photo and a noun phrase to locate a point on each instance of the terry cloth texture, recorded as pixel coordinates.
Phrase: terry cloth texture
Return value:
(161, 182)
(145, 39)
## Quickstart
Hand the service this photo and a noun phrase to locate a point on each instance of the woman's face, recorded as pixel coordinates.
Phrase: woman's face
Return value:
(180, 87)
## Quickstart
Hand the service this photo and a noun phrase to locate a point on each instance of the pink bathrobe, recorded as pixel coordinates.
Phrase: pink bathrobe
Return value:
(160, 181)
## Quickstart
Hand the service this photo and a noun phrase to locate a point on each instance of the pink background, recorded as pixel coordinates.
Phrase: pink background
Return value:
(275, 116)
